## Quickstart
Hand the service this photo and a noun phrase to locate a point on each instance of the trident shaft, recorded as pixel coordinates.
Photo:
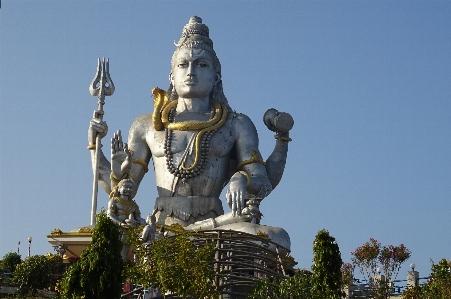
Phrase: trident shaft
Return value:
(101, 86)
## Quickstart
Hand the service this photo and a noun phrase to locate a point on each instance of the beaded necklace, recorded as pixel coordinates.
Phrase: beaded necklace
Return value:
(202, 139)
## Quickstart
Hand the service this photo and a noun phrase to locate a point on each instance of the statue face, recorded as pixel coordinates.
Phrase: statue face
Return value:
(126, 189)
(193, 75)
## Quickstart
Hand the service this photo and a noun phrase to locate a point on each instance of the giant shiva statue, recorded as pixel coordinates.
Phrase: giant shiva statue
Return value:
(197, 144)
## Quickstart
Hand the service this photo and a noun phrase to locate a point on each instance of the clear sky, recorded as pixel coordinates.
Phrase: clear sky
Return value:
(367, 82)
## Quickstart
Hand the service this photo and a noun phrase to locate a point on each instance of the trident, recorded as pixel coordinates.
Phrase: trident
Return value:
(101, 86)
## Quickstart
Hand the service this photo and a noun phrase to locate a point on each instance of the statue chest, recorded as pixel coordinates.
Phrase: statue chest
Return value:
(125, 207)
(220, 143)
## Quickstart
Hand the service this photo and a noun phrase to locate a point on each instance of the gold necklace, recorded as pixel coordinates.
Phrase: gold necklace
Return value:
(189, 125)
(128, 206)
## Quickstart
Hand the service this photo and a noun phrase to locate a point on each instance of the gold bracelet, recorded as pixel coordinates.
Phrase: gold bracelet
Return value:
(141, 162)
(93, 146)
(248, 178)
(288, 139)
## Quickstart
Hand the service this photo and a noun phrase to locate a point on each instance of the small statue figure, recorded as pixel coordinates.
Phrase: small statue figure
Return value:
(124, 211)
(148, 233)
(198, 144)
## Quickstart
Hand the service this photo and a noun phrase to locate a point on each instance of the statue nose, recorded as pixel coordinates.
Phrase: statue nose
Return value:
(191, 70)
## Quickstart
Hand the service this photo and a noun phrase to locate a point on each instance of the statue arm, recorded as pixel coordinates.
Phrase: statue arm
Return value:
(251, 176)
(96, 126)
(111, 212)
(104, 172)
(141, 153)
(281, 123)
(275, 164)
(247, 151)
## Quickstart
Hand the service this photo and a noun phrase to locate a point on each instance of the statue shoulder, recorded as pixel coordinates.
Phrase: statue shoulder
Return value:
(143, 120)
(142, 124)
(242, 123)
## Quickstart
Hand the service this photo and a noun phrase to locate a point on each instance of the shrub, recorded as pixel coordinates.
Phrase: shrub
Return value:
(10, 261)
(35, 273)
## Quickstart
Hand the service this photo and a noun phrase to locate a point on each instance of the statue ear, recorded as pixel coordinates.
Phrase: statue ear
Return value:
(171, 79)
(218, 78)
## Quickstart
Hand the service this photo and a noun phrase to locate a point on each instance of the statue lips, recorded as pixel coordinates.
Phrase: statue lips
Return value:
(190, 82)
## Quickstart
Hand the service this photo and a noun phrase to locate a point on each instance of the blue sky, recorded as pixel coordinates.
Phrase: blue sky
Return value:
(367, 82)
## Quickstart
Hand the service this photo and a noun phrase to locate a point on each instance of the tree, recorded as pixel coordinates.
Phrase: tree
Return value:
(181, 264)
(327, 262)
(297, 286)
(10, 261)
(371, 256)
(34, 273)
(324, 283)
(98, 272)
(438, 286)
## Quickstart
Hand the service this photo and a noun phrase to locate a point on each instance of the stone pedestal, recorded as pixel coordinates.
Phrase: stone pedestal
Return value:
(412, 278)
(276, 235)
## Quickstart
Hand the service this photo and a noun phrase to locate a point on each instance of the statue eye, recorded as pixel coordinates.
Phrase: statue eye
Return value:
(181, 65)
(202, 64)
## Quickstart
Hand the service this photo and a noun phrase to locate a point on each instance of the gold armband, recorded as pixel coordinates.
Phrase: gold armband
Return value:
(248, 178)
(254, 159)
(144, 164)
(93, 146)
(288, 139)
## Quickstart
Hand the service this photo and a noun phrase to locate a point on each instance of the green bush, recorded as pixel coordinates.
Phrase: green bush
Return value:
(35, 272)
(174, 264)
(10, 261)
(297, 286)
(324, 283)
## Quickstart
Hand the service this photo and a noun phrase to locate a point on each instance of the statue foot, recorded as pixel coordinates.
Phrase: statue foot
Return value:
(219, 221)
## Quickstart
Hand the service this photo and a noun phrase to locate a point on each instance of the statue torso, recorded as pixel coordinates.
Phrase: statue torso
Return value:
(122, 208)
(211, 179)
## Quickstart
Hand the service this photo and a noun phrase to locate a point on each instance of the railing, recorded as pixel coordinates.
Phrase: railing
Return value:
(362, 290)
(241, 259)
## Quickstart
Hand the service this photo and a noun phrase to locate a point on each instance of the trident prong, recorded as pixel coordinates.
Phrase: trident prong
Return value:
(101, 86)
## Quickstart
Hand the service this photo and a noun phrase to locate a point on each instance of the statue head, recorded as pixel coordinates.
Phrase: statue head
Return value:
(124, 188)
(151, 219)
(195, 36)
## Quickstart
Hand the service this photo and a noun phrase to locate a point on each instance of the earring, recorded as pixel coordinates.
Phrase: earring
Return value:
(173, 93)
(215, 91)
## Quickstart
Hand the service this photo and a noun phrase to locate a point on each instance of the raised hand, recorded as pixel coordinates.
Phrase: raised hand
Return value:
(121, 157)
(236, 193)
